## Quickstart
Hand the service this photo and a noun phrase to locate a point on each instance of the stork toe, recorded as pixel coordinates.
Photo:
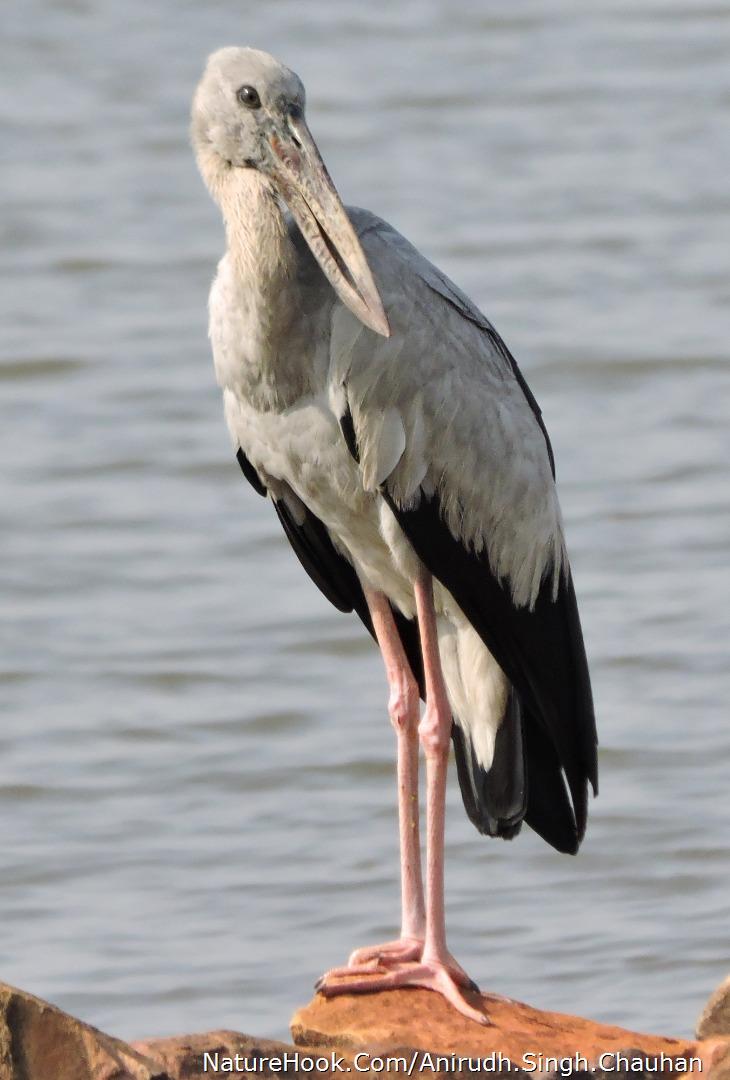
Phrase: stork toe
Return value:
(375, 959)
(387, 953)
(427, 976)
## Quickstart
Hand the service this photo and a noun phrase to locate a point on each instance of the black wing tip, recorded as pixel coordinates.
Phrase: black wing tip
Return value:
(249, 472)
(347, 427)
(565, 828)
(571, 847)
(541, 652)
(329, 571)
(558, 829)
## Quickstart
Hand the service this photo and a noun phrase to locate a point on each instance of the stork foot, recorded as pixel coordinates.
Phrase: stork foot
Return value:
(388, 953)
(376, 959)
(427, 975)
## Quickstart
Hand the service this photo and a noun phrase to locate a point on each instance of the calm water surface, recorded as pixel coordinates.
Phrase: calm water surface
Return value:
(196, 769)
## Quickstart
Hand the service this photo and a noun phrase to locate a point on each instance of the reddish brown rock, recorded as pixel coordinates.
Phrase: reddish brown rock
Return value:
(419, 1018)
(40, 1042)
(716, 1055)
(715, 1017)
(219, 1054)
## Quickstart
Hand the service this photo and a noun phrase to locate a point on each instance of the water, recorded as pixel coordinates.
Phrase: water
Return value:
(197, 770)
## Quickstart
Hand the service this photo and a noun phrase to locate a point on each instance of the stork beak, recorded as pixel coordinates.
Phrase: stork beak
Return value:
(306, 187)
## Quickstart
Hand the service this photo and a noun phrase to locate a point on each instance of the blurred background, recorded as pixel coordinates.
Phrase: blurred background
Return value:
(196, 765)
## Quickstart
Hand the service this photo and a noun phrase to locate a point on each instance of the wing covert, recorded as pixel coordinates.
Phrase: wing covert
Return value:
(443, 407)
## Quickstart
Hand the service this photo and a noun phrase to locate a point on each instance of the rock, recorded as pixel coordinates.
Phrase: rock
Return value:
(715, 1017)
(526, 1037)
(350, 1034)
(40, 1042)
(716, 1055)
(218, 1054)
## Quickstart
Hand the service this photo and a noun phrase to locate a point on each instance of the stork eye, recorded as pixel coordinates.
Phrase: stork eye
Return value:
(249, 97)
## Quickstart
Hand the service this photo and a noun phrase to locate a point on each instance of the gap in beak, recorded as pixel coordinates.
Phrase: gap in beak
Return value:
(338, 260)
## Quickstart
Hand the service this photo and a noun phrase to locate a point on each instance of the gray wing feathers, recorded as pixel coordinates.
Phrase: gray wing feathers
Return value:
(438, 407)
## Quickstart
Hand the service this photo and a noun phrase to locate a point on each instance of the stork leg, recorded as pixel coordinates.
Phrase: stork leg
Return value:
(403, 709)
(436, 969)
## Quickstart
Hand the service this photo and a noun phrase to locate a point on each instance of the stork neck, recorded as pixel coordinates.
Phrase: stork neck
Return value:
(258, 243)
(260, 269)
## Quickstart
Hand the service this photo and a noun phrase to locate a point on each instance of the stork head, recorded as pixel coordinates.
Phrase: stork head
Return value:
(248, 113)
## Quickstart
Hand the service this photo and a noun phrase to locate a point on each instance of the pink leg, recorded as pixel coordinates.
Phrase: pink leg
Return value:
(403, 708)
(436, 970)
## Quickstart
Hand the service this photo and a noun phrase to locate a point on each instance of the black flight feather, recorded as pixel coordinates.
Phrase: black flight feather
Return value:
(495, 800)
(336, 578)
(331, 572)
(249, 472)
(541, 652)
(347, 428)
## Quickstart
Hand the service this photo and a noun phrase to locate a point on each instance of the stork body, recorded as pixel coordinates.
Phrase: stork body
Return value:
(409, 465)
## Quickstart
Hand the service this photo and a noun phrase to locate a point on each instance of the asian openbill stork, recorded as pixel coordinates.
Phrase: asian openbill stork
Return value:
(410, 467)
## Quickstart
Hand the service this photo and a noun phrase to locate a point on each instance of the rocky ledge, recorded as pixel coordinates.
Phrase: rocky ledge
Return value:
(410, 1032)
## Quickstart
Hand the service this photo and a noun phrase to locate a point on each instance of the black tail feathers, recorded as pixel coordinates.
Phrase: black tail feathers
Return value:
(550, 811)
(495, 801)
(524, 783)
